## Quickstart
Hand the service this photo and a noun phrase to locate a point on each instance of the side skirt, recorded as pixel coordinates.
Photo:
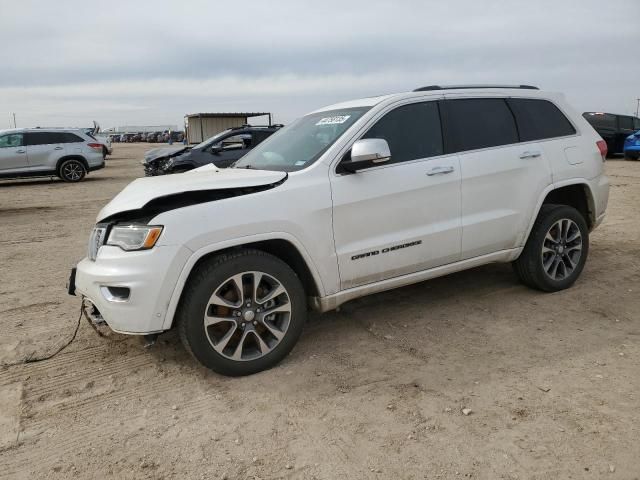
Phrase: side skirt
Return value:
(331, 302)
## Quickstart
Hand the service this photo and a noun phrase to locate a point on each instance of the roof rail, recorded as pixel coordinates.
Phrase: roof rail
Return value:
(461, 87)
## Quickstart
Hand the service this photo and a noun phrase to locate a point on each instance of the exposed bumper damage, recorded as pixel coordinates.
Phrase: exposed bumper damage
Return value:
(117, 289)
(155, 160)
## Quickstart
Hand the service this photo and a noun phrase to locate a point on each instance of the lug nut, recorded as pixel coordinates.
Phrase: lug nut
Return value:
(255, 322)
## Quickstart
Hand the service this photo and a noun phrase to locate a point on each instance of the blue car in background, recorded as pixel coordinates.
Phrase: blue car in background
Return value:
(632, 146)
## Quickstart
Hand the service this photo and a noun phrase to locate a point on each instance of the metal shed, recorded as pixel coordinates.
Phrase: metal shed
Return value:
(200, 126)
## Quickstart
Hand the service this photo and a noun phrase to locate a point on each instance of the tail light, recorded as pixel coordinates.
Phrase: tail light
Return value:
(95, 146)
(602, 146)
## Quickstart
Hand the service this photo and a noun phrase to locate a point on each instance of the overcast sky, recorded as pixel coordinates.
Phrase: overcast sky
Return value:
(66, 63)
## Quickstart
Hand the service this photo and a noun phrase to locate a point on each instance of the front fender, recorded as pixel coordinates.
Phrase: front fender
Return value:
(236, 242)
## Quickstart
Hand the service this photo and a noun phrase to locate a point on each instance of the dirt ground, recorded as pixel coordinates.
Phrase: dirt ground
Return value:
(373, 391)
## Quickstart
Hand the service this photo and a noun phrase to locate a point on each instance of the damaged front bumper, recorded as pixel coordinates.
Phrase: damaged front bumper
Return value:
(129, 291)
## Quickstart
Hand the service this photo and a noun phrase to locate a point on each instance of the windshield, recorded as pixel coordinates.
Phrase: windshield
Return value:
(301, 143)
(211, 140)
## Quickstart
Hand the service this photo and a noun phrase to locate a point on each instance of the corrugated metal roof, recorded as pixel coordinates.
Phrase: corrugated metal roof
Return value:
(228, 115)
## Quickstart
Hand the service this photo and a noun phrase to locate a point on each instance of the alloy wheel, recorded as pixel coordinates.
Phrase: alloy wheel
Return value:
(72, 171)
(247, 316)
(561, 249)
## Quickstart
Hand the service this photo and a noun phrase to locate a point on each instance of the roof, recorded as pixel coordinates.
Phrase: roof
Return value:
(42, 129)
(512, 91)
(227, 115)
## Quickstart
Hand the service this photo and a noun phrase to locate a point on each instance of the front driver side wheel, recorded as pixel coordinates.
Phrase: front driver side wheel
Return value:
(241, 312)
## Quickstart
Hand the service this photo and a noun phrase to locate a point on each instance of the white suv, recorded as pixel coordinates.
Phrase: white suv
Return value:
(349, 200)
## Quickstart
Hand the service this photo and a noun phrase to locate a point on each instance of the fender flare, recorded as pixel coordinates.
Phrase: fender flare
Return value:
(236, 242)
(554, 186)
(72, 157)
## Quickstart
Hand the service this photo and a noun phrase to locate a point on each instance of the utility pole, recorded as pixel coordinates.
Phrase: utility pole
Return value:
(637, 106)
(15, 126)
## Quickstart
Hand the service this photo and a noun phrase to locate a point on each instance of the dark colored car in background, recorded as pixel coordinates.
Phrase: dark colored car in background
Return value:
(613, 128)
(222, 150)
(632, 146)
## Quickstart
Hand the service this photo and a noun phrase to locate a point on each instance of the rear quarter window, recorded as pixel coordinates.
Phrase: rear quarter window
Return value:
(539, 119)
(71, 138)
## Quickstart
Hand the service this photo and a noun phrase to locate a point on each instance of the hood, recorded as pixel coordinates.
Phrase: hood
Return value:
(201, 181)
(161, 152)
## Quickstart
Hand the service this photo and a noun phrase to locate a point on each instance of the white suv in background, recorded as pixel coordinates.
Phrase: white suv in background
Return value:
(40, 152)
(349, 200)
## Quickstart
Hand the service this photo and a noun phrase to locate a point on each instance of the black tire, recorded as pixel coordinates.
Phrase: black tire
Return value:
(632, 156)
(529, 266)
(208, 278)
(105, 152)
(72, 170)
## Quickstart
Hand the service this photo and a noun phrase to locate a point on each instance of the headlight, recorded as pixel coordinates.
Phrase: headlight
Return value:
(134, 237)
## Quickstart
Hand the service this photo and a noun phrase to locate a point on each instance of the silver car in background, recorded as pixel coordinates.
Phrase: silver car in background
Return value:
(36, 152)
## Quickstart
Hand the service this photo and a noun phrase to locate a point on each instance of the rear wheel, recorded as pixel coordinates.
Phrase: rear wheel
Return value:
(242, 312)
(72, 170)
(556, 250)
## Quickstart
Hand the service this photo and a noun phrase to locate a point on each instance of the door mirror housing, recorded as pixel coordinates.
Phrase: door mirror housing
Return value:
(216, 149)
(366, 153)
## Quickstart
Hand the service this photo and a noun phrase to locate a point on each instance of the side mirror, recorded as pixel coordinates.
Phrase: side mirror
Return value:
(215, 150)
(366, 153)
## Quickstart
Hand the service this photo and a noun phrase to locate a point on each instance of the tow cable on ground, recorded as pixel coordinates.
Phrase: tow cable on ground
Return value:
(32, 359)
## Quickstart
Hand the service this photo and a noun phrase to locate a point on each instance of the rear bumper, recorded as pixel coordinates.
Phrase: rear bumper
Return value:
(633, 149)
(97, 167)
(600, 190)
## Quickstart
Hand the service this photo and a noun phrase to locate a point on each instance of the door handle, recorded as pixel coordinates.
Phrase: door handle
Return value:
(21, 151)
(439, 171)
(58, 148)
(530, 154)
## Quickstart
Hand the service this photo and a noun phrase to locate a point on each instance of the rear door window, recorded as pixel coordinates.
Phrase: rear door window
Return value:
(45, 138)
(236, 142)
(475, 123)
(539, 119)
(412, 131)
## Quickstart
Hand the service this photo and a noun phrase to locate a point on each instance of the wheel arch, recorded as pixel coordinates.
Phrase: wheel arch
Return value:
(574, 193)
(72, 157)
(283, 246)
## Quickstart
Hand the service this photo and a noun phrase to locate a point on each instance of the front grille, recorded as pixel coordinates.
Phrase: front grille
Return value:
(96, 240)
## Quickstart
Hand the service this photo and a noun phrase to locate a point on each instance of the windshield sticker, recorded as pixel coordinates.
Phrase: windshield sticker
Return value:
(336, 120)
(300, 162)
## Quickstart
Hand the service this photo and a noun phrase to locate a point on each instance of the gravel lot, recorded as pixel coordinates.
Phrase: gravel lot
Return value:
(373, 391)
